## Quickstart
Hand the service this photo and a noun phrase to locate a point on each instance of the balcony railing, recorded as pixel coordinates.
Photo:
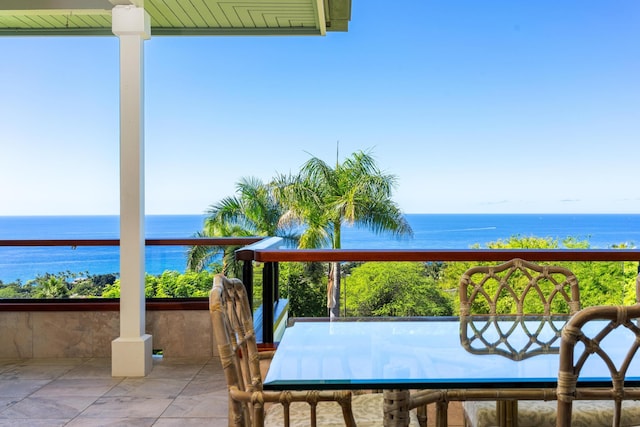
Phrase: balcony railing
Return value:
(268, 252)
(75, 243)
(85, 327)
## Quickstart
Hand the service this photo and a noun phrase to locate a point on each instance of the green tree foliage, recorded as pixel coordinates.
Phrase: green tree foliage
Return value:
(51, 286)
(394, 289)
(253, 211)
(16, 290)
(91, 286)
(112, 291)
(605, 283)
(60, 285)
(601, 283)
(303, 284)
(323, 198)
(170, 284)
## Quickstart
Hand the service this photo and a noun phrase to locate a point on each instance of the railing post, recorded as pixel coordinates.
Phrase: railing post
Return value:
(247, 279)
(276, 281)
(269, 281)
(267, 302)
(638, 285)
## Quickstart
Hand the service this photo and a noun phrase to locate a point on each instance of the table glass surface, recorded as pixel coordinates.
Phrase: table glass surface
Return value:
(430, 353)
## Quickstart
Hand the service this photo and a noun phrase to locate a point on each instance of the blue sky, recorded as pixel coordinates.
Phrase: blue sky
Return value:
(476, 106)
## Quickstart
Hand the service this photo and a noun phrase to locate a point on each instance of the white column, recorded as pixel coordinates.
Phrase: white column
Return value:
(131, 353)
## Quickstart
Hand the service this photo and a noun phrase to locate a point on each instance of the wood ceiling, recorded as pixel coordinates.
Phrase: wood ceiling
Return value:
(177, 17)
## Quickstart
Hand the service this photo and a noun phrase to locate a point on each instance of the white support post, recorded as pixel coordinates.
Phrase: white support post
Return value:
(131, 353)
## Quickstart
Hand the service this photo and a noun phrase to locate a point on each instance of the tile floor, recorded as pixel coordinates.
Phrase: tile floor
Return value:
(82, 392)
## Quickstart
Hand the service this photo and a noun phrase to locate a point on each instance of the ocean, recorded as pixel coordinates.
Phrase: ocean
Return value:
(431, 231)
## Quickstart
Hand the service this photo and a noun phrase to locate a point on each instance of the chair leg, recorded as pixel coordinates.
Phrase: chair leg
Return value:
(396, 407)
(507, 413)
(421, 412)
(442, 415)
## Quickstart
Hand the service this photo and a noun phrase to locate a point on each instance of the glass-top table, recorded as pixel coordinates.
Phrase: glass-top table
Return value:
(425, 353)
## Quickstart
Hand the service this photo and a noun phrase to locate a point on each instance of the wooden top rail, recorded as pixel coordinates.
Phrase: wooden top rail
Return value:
(247, 253)
(345, 255)
(190, 241)
(267, 250)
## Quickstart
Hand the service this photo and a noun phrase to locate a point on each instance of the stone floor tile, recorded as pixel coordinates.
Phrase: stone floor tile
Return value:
(33, 422)
(20, 388)
(211, 369)
(148, 387)
(77, 387)
(5, 402)
(88, 370)
(174, 371)
(97, 361)
(203, 406)
(180, 361)
(34, 372)
(111, 422)
(51, 407)
(192, 422)
(203, 385)
(54, 361)
(127, 407)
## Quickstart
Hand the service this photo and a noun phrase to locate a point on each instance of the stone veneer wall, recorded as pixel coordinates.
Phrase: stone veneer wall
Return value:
(68, 334)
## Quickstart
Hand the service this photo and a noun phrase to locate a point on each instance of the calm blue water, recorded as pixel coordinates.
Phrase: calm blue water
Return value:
(431, 232)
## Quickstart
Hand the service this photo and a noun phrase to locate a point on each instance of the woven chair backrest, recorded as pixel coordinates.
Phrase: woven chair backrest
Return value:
(235, 337)
(519, 287)
(505, 336)
(581, 344)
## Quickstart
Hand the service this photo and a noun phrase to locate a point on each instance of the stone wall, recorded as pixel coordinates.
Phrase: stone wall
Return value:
(68, 334)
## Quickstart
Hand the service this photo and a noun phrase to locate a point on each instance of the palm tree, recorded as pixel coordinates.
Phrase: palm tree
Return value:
(51, 286)
(253, 211)
(324, 198)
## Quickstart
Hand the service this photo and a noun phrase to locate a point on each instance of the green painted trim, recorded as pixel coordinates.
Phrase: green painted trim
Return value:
(166, 32)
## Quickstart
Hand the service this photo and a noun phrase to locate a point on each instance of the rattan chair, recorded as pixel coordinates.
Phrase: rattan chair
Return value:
(508, 287)
(514, 287)
(249, 404)
(581, 346)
